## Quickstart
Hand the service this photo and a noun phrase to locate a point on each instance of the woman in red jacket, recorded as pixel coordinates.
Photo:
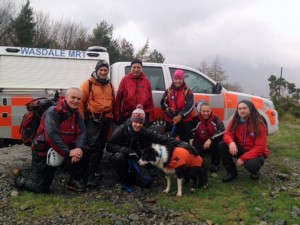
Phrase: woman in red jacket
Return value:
(177, 102)
(246, 140)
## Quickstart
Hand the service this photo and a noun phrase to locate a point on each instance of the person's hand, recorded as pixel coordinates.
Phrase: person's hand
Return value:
(167, 110)
(177, 119)
(133, 155)
(76, 152)
(74, 159)
(233, 149)
(207, 144)
(240, 162)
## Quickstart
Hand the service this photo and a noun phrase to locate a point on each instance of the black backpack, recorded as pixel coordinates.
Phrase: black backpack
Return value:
(31, 119)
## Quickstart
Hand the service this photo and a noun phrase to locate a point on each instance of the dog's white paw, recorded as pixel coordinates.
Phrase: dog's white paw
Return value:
(166, 191)
(192, 189)
(179, 194)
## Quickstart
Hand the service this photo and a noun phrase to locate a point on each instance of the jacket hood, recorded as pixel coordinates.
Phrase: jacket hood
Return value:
(142, 75)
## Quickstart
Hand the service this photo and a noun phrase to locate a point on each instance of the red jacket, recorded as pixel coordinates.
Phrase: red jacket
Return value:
(178, 100)
(133, 91)
(254, 146)
(210, 128)
(181, 156)
(61, 129)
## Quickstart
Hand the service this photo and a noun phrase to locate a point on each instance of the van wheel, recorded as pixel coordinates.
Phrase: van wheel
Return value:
(2, 144)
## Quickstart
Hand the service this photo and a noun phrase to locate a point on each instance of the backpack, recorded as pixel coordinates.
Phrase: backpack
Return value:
(31, 119)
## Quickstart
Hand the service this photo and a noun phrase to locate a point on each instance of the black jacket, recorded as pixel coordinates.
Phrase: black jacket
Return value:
(126, 140)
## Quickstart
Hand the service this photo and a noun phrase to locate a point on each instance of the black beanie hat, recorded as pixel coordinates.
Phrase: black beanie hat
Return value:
(101, 63)
(250, 105)
(136, 61)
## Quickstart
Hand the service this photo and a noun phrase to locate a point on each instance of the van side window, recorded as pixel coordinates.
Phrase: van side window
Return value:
(196, 82)
(155, 75)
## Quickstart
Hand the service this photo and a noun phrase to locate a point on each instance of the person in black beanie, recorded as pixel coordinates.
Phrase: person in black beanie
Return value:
(96, 107)
(246, 140)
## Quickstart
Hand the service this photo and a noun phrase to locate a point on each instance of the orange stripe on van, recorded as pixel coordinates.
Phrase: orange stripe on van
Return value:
(21, 100)
(230, 101)
(259, 103)
(15, 132)
(201, 97)
(5, 116)
(271, 115)
(219, 112)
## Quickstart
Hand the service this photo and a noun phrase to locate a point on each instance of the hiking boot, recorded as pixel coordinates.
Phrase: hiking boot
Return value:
(92, 182)
(229, 177)
(255, 176)
(127, 188)
(19, 180)
(76, 185)
(214, 168)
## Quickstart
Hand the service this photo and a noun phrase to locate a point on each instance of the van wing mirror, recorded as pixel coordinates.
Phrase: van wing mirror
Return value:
(218, 88)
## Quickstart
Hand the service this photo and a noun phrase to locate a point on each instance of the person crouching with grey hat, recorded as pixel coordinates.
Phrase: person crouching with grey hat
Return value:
(127, 143)
(246, 140)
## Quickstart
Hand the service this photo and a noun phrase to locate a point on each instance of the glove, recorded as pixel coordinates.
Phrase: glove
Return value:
(177, 119)
(133, 156)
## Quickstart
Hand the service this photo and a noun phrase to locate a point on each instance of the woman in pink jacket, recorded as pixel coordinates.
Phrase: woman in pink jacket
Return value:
(246, 140)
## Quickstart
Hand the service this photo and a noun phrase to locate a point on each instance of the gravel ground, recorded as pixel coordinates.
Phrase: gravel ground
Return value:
(146, 211)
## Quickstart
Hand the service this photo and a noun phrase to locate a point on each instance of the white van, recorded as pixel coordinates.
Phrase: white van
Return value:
(28, 73)
(223, 102)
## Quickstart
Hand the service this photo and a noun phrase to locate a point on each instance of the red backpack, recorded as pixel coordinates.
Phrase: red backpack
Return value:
(31, 120)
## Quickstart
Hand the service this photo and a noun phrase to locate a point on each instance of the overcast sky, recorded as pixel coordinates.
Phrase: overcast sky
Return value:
(253, 39)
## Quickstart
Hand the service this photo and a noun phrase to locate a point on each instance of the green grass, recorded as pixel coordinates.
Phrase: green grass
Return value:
(242, 200)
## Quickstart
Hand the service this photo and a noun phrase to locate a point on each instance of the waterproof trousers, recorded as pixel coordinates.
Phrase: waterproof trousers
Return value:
(97, 133)
(45, 174)
(253, 165)
(130, 172)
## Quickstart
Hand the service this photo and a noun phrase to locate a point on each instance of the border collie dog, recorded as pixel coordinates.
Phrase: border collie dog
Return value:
(178, 161)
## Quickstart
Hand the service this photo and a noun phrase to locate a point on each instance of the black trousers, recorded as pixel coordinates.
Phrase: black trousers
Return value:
(97, 133)
(130, 172)
(183, 129)
(45, 174)
(252, 165)
(213, 151)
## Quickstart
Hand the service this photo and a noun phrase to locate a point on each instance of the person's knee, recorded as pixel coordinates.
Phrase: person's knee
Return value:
(222, 147)
(254, 165)
(118, 158)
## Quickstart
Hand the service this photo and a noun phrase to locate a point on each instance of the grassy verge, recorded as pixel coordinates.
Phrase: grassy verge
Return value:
(242, 200)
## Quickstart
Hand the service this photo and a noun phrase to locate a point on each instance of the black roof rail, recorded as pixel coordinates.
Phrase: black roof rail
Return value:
(97, 49)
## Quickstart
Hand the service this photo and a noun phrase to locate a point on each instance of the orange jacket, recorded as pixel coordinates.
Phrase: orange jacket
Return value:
(181, 156)
(99, 100)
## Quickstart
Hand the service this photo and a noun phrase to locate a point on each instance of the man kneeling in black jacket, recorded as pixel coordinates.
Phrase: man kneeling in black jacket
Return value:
(127, 143)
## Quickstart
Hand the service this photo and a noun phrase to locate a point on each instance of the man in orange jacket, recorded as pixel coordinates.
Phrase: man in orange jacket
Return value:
(97, 109)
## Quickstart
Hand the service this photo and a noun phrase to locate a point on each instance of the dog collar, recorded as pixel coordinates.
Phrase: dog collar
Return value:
(160, 153)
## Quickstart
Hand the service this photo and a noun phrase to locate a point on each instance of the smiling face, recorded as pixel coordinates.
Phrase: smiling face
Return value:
(243, 110)
(102, 72)
(73, 97)
(137, 126)
(136, 69)
(178, 82)
(205, 111)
